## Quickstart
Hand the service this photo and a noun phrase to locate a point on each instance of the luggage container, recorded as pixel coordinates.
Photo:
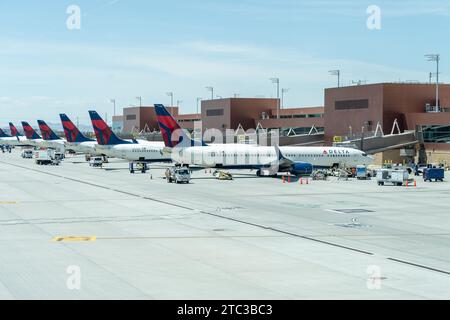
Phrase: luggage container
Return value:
(436, 174)
(361, 173)
(396, 177)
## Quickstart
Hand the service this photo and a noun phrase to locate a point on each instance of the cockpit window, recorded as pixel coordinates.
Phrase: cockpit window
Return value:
(364, 154)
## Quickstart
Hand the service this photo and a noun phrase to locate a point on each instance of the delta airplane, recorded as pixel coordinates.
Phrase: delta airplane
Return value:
(267, 160)
(76, 141)
(32, 137)
(16, 139)
(133, 151)
(6, 139)
(51, 140)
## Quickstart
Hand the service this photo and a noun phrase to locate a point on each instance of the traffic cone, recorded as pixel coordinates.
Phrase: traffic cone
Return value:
(415, 183)
(301, 180)
(289, 179)
(284, 181)
(407, 182)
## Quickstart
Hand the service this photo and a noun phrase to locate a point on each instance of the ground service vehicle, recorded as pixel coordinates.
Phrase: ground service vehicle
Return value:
(27, 154)
(396, 177)
(222, 175)
(96, 161)
(47, 157)
(178, 175)
(362, 173)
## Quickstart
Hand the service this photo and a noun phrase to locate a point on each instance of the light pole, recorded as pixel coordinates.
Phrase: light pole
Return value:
(283, 91)
(170, 94)
(140, 101)
(211, 89)
(336, 73)
(437, 58)
(277, 82)
(198, 100)
(113, 101)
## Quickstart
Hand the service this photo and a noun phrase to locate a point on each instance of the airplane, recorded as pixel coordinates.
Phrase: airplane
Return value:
(32, 137)
(51, 140)
(133, 151)
(19, 140)
(76, 141)
(265, 159)
(6, 139)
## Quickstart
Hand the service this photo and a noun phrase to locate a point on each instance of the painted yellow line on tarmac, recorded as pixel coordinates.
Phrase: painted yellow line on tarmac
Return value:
(75, 239)
(9, 202)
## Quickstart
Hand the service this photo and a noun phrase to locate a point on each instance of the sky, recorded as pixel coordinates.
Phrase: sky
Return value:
(125, 49)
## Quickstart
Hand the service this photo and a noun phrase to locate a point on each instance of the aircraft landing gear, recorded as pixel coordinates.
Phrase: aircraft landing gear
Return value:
(139, 167)
(265, 173)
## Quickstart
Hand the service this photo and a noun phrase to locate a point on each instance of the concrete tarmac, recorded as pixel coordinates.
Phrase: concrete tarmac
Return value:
(134, 237)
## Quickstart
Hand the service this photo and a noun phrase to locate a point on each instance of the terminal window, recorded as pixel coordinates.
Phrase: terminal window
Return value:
(214, 112)
(351, 104)
(131, 117)
(436, 134)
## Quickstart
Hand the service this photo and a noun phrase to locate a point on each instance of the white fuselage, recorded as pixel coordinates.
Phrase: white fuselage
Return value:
(9, 141)
(38, 143)
(16, 141)
(145, 152)
(241, 155)
(86, 147)
(58, 145)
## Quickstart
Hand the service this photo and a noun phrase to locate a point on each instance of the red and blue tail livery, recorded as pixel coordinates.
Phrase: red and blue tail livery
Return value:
(29, 131)
(47, 132)
(105, 136)
(3, 134)
(71, 131)
(13, 129)
(171, 131)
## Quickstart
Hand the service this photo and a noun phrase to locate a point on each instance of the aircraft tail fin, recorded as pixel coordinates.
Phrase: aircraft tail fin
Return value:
(171, 131)
(13, 129)
(104, 134)
(71, 131)
(30, 133)
(3, 134)
(47, 132)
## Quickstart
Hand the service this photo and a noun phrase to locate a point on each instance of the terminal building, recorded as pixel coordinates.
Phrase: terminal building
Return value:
(252, 113)
(357, 110)
(231, 113)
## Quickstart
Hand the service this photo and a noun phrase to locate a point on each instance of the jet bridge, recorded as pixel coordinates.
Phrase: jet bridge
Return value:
(378, 141)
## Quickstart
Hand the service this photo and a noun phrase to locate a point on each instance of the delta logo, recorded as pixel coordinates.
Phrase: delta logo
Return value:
(46, 132)
(28, 131)
(14, 131)
(101, 130)
(70, 131)
(335, 152)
